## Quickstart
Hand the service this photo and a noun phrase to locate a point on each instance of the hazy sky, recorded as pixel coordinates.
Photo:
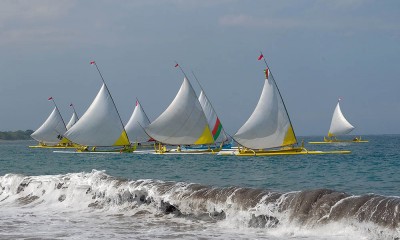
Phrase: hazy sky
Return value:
(317, 50)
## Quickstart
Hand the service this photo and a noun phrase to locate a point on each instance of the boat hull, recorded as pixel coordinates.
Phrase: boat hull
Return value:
(335, 140)
(55, 147)
(279, 152)
(344, 141)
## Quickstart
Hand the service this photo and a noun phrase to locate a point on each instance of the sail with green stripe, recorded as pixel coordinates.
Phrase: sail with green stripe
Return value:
(213, 121)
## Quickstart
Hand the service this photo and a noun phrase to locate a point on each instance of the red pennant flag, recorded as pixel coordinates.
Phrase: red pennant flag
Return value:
(50, 98)
(260, 57)
(266, 73)
(176, 65)
(92, 62)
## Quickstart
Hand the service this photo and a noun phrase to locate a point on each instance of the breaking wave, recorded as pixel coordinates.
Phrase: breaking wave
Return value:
(376, 216)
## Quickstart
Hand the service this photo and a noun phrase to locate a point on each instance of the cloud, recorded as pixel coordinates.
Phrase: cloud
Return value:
(317, 23)
(243, 20)
(25, 10)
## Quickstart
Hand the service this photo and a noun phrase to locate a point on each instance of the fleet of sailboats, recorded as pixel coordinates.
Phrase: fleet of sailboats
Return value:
(189, 125)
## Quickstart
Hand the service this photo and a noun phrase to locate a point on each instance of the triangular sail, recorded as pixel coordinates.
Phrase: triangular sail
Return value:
(51, 131)
(100, 125)
(269, 125)
(72, 121)
(136, 124)
(339, 124)
(212, 119)
(183, 122)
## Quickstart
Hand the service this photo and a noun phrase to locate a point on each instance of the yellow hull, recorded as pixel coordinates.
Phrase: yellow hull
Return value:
(174, 151)
(279, 152)
(56, 147)
(334, 140)
(339, 141)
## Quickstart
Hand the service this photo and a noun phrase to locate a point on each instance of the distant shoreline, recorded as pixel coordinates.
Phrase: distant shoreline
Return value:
(16, 135)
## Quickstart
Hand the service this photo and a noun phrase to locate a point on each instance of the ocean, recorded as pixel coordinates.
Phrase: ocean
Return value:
(47, 195)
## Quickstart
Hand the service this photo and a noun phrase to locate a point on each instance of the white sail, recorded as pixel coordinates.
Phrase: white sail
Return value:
(136, 124)
(339, 124)
(183, 122)
(100, 125)
(72, 121)
(51, 131)
(212, 119)
(269, 125)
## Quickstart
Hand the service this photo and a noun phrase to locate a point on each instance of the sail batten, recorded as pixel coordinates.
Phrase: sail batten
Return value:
(269, 125)
(183, 122)
(52, 130)
(100, 125)
(339, 124)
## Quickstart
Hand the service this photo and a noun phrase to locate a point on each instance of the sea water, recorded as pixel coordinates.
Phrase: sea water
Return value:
(47, 195)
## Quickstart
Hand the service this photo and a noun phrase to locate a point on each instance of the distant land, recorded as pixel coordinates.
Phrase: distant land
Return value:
(16, 135)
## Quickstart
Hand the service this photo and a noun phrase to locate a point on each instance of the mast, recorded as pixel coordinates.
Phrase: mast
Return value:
(54, 102)
(137, 100)
(212, 107)
(123, 127)
(273, 79)
(72, 105)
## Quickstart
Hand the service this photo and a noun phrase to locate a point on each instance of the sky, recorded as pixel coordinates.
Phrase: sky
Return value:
(317, 51)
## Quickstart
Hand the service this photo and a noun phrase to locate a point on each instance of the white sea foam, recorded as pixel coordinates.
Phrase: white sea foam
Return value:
(96, 205)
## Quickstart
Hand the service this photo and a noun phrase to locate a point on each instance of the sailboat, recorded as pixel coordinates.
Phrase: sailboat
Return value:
(182, 123)
(74, 118)
(214, 123)
(50, 133)
(269, 131)
(339, 126)
(136, 124)
(100, 125)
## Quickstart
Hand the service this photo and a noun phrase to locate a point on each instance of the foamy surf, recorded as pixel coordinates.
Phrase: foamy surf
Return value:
(97, 205)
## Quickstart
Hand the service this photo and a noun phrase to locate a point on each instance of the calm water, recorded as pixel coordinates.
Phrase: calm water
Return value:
(50, 195)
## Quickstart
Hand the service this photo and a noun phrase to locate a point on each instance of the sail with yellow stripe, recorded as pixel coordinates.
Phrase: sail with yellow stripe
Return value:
(183, 122)
(100, 125)
(269, 125)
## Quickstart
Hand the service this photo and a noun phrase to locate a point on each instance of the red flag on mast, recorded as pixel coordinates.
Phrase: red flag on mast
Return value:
(261, 57)
(176, 65)
(92, 62)
(50, 98)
